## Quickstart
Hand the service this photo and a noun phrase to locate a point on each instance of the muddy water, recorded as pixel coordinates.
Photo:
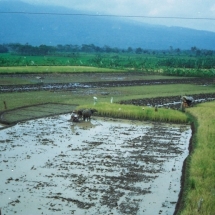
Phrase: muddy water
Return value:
(106, 166)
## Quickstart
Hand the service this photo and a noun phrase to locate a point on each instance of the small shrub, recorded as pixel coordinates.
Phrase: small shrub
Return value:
(192, 184)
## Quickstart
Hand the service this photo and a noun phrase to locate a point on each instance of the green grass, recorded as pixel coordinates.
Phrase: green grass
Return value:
(15, 100)
(137, 112)
(138, 92)
(201, 173)
(71, 77)
(55, 69)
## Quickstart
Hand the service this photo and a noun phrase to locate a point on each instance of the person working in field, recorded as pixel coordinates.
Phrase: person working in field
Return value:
(74, 117)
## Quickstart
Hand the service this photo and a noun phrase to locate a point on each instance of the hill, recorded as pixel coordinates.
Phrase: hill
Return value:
(56, 29)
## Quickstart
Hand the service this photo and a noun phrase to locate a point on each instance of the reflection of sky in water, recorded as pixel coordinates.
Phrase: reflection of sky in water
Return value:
(99, 167)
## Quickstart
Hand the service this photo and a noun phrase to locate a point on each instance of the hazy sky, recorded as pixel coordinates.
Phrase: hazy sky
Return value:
(154, 8)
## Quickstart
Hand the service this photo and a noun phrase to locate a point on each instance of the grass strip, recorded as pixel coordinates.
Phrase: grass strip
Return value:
(54, 69)
(200, 184)
(138, 113)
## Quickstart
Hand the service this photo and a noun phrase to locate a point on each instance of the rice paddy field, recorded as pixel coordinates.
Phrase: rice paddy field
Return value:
(197, 195)
(106, 165)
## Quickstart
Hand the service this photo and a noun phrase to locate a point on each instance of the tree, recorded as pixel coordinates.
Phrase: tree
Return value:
(129, 50)
(193, 49)
(138, 50)
(3, 49)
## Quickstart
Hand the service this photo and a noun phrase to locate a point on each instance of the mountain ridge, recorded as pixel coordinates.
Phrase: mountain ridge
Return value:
(41, 25)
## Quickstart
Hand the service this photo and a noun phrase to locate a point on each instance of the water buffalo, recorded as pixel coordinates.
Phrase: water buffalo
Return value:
(80, 113)
(87, 113)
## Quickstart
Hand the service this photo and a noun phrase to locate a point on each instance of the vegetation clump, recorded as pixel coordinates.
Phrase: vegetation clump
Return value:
(138, 113)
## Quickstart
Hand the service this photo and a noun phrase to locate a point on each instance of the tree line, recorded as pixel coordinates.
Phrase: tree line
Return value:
(42, 50)
(193, 62)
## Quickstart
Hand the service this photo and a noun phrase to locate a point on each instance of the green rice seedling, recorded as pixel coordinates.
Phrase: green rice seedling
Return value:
(138, 113)
(53, 69)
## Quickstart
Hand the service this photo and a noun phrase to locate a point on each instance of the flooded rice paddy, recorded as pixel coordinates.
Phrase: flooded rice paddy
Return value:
(105, 166)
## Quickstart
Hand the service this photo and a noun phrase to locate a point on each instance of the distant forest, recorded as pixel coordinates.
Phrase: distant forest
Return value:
(42, 50)
(194, 62)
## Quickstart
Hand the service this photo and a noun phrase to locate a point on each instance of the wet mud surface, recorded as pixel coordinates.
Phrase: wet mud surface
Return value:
(105, 166)
(170, 101)
(93, 80)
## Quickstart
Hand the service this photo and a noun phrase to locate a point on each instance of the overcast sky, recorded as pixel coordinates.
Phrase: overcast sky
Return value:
(153, 8)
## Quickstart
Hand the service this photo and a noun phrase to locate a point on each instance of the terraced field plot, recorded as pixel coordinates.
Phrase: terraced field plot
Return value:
(33, 112)
(105, 166)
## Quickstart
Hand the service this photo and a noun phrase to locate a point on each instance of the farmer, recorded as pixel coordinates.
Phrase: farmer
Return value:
(74, 117)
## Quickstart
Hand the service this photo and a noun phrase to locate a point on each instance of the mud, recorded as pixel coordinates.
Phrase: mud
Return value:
(95, 80)
(170, 101)
(106, 166)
